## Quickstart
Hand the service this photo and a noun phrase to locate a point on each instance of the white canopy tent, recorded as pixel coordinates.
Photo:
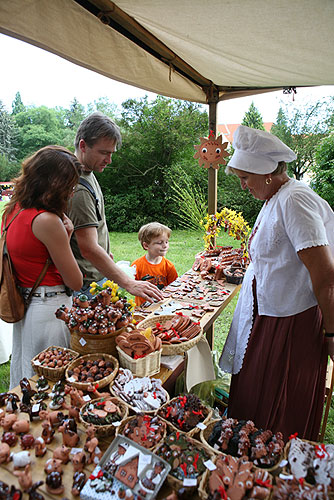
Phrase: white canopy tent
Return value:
(202, 51)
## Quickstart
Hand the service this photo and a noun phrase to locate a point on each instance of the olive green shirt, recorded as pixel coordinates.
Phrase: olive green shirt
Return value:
(82, 212)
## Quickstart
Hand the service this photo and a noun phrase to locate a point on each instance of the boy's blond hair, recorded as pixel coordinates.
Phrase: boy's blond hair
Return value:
(152, 230)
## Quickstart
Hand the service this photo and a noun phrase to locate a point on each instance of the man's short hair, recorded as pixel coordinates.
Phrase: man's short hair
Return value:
(97, 126)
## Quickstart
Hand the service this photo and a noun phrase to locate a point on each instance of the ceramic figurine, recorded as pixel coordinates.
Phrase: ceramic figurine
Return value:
(33, 494)
(21, 426)
(79, 480)
(25, 384)
(7, 421)
(42, 384)
(24, 477)
(27, 441)
(40, 447)
(78, 461)
(54, 483)
(10, 438)
(4, 453)
(69, 432)
(54, 417)
(62, 453)
(11, 404)
(57, 402)
(21, 459)
(47, 432)
(53, 465)
(91, 446)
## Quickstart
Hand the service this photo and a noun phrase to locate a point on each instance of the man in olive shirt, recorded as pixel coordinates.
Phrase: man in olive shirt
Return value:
(96, 140)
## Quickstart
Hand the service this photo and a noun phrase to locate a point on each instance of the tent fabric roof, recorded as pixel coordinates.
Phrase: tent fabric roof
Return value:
(187, 49)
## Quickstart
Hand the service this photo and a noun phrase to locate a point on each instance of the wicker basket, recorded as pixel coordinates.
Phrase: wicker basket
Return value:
(203, 486)
(205, 434)
(132, 408)
(177, 484)
(92, 357)
(192, 432)
(53, 374)
(120, 430)
(142, 367)
(105, 430)
(170, 350)
(86, 343)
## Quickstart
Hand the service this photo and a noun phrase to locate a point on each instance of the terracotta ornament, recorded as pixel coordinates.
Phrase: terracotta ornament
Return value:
(69, 432)
(24, 477)
(62, 453)
(21, 459)
(7, 421)
(79, 480)
(78, 461)
(40, 447)
(54, 483)
(4, 453)
(27, 441)
(33, 493)
(53, 465)
(211, 152)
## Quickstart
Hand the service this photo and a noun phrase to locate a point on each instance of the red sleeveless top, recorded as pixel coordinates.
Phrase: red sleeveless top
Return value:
(29, 254)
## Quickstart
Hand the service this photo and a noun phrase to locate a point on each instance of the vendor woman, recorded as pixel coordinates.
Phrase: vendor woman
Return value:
(283, 326)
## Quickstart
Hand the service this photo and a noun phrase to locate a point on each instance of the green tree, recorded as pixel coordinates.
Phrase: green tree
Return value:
(8, 133)
(75, 114)
(253, 118)
(103, 105)
(158, 138)
(301, 131)
(17, 104)
(323, 178)
(38, 127)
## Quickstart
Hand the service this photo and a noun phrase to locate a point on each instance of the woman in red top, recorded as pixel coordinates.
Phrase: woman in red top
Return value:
(40, 231)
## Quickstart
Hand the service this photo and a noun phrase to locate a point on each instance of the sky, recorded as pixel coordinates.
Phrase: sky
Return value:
(45, 79)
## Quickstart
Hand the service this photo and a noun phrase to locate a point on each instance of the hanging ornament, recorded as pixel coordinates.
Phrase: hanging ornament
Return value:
(211, 152)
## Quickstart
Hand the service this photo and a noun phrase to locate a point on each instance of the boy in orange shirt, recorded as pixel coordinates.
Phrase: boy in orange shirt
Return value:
(154, 267)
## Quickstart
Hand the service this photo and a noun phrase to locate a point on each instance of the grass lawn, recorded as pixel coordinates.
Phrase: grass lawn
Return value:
(183, 247)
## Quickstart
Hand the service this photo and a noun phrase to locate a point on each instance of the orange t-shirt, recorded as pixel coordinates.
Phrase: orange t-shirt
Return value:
(159, 274)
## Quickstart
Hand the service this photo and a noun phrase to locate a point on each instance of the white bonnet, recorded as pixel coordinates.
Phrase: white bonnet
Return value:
(257, 151)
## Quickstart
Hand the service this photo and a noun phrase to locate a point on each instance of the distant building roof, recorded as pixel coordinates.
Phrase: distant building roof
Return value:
(227, 130)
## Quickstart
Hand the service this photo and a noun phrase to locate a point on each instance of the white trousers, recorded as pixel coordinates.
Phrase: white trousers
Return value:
(38, 330)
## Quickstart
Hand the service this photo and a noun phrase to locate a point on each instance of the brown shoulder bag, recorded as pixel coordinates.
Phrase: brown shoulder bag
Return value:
(12, 303)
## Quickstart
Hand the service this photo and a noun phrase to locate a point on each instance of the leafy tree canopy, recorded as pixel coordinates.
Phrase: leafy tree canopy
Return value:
(253, 118)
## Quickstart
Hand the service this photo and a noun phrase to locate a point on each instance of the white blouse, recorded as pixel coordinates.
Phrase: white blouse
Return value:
(293, 219)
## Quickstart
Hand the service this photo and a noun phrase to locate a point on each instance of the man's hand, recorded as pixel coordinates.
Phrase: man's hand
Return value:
(146, 290)
(68, 225)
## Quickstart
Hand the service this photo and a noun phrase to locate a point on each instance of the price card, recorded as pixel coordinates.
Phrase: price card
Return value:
(75, 450)
(116, 424)
(201, 426)
(87, 398)
(286, 476)
(82, 342)
(37, 362)
(210, 465)
(35, 408)
(71, 379)
(189, 481)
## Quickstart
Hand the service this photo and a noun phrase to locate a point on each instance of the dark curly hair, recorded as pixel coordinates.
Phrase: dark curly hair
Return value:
(46, 181)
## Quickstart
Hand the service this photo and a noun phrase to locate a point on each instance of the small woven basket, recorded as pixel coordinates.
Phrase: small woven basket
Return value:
(171, 349)
(121, 428)
(192, 432)
(134, 409)
(205, 434)
(87, 343)
(203, 490)
(177, 484)
(53, 374)
(105, 430)
(142, 367)
(92, 357)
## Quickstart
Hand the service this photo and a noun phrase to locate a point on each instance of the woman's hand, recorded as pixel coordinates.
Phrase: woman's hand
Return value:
(68, 225)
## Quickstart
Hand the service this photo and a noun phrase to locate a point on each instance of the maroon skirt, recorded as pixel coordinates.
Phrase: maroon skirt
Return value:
(281, 384)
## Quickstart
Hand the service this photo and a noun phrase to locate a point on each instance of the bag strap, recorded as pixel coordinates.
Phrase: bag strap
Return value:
(86, 184)
(45, 267)
(4, 227)
(38, 281)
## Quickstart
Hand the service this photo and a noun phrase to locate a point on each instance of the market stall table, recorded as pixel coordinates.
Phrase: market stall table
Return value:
(38, 463)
